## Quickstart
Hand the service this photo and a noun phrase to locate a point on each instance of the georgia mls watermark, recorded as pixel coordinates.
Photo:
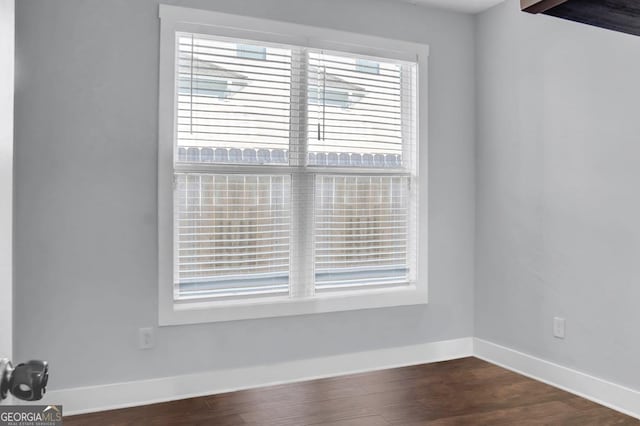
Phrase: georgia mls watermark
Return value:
(30, 415)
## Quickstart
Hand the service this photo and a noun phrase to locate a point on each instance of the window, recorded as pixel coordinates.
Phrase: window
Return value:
(295, 172)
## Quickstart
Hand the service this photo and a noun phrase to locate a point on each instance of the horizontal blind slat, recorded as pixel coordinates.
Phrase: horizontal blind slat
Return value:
(247, 254)
(244, 248)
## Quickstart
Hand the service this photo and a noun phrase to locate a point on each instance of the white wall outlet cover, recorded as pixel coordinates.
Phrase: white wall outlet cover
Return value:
(146, 338)
(558, 327)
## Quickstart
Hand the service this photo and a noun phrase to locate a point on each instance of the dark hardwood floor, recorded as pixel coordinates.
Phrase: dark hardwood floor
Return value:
(461, 392)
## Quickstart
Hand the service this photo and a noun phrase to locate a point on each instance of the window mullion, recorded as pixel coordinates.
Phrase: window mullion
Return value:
(302, 183)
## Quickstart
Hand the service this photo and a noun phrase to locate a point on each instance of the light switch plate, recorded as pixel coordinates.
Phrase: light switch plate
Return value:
(146, 338)
(559, 327)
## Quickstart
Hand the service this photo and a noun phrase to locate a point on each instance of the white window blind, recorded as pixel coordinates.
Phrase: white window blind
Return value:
(294, 170)
(233, 234)
(234, 102)
(356, 111)
(361, 231)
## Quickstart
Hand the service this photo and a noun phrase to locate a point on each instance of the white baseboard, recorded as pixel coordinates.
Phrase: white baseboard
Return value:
(121, 395)
(128, 394)
(603, 392)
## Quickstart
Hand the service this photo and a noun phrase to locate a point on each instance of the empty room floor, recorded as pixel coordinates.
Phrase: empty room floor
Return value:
(459, 392)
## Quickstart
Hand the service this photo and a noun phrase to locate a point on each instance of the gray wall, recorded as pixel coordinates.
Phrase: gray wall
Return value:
(85, 248)
(7, 8)
(558, 172)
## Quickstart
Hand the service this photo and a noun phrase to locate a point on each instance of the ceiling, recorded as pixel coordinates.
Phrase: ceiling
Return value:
(468, 6)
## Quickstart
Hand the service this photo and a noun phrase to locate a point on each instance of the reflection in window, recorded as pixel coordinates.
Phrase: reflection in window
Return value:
(334, 91)
(248, 51)
(370, 67)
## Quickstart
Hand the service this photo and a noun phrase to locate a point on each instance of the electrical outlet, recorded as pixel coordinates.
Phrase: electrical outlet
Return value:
(558, 327)
(145, 338)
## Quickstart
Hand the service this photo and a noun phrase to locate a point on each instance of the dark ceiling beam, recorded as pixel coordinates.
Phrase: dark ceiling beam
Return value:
(616, 15)
(539, 6)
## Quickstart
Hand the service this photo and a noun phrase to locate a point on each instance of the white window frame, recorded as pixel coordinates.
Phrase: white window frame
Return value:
(176, 19)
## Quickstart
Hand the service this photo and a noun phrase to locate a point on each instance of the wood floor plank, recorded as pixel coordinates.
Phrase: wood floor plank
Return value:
(358, 421)
(412, 383)
(546, 413)
(467, 391)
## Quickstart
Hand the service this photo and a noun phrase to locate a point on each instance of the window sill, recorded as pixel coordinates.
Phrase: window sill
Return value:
(196, 312)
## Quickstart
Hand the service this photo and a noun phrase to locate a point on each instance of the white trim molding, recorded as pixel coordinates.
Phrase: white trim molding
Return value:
(135, 393)
(7, 54)
(121, 395)
(240, 26)
(603, 392)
